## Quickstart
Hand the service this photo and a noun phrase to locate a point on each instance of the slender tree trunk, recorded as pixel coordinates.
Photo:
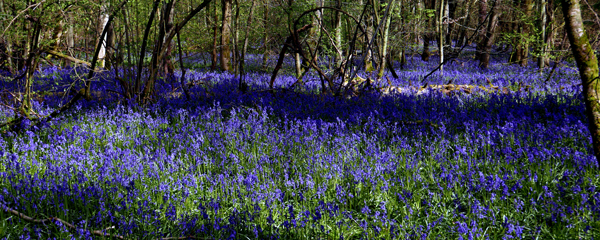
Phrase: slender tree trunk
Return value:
(5, 58)
(377, 42)
(31, 64)
(266, 49)
(338, 35)
(588, 68)
(483, 11)
(402, 56)
(57, 35)
(160, 51)
(128, 40)
(215, 44)
(102, 20)
(25, 44)
(462, 36)
(450, 14)
(226, 35)
(521, 50)
(490, 35)
(441, 41)
(236, 35)
(144, 43)
(70, 37)
(429, 5)
(550, 31)
(385, 39)
(542, 57)
(526, 31)
(167, 20)
(242, 85)
(110, 45)
(313, 39)
(370, 19)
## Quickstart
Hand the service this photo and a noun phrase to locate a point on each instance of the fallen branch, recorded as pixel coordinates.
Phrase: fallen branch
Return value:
(71, 226)
(54, 220)
(419, 122)
(67, 57)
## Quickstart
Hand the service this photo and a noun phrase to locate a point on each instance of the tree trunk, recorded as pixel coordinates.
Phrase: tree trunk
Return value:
(483, 11)
(31, 64)
(313, 38)
(429, 5)
(23, 49)
(128, 34)
(542, 57)
(266, 49)
(441, 36)
(236, 35)
(226, 35)
(144, 43)
(462, 35)
(588, 68)
(385, 38)
(521, 50)
(551, 30)
(159, 51)
(102, 20)
(167, 20)
(451, 15)
(338, 35)
(370, 19)
(70, 37)
(242, 86)
(57, 35)
(215, 45)
(490, 35)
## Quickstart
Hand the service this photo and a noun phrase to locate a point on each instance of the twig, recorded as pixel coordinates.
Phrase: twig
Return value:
(418, 122)
(53, 220)
(19, 14)
(597, 19)
(71, 226)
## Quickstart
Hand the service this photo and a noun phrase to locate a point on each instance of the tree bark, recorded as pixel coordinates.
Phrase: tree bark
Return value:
(215, 45)
(31, 65)
(521, 49)
(167, 20)
(160, 51)
(338, 35)
(490, 35)
(483, 11)
(441, 37)
(266, 49)
(70, 36)
(429, 5)
(588, 68)
(102, 20)
(462, 35)
(385, 39)
(550, 30)
(144, 43)
(451, 15)
(542, 57)
(226, 35)
(242, 86)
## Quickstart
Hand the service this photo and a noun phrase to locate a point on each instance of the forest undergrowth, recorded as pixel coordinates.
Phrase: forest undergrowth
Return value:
(290, 164)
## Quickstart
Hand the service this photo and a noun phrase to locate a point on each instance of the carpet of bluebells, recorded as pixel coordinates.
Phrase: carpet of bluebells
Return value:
(297, 165)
